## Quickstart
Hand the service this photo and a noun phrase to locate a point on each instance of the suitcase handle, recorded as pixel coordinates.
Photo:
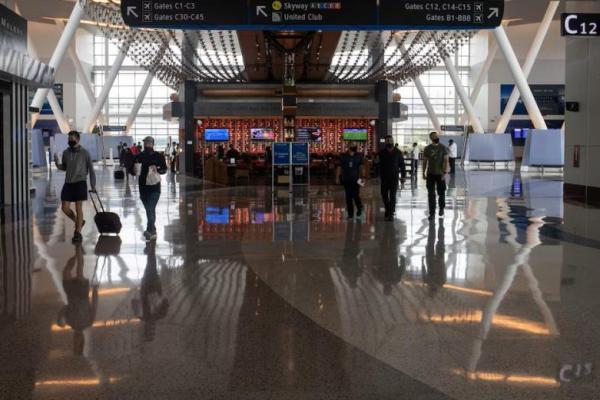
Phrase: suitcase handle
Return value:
(92, 192)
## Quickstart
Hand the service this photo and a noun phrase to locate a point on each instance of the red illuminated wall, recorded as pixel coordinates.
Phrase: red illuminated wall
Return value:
(239, 132)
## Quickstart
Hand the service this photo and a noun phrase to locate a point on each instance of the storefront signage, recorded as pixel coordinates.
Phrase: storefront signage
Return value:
(281, 154)
(300, 154)
(580, 25)
(453, 128)
(13, 30)
(313, 14)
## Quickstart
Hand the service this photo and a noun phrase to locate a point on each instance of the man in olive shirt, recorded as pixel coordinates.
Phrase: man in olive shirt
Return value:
(435, 166)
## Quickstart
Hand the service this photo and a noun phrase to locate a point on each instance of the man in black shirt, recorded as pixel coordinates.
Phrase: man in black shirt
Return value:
(153, 164)
(350, 171)
(391, 167)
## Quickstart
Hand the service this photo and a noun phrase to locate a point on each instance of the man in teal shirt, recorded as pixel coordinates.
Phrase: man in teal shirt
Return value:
(435, 167)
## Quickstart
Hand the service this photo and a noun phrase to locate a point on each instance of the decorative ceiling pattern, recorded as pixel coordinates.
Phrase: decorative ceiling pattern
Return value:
(229, 56)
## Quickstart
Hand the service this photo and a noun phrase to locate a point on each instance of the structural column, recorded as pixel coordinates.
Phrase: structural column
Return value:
(139, 101)
(520, 78)
(385, 92)
(462, 93)
(528, 66)
(59, 54)
(425, 98)
(188, 137)
(112, 76)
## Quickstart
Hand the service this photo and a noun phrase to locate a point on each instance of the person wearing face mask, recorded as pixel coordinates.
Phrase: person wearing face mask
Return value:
(435, 167)
(350, 172)
(77, 163)
(152, 165)
(391, 167)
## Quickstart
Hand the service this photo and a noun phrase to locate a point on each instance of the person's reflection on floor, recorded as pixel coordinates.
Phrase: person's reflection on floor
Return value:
(390, 268)
(434, 266)
(152, 306)
(80, 312)
(351, 258)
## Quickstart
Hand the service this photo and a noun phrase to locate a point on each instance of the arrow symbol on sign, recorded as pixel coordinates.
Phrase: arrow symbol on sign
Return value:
(495, 12)
(261, 10)
(131, 11)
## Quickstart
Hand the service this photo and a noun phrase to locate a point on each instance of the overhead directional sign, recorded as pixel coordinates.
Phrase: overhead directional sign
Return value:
(451, 14)
(313, 14)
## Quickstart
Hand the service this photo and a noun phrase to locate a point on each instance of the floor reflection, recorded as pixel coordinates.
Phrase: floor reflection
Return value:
(253, 293)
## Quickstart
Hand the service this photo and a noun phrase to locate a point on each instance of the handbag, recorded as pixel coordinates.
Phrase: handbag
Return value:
(153, 177)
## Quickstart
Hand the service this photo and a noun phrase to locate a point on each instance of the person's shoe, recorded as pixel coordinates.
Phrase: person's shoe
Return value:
(77, 238)
(350, 217)
(441, 214)
(359, 212)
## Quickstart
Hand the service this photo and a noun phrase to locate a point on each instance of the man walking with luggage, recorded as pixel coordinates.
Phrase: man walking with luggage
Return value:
(77, 163)
(391, 166)
(435, 166)
(153, 165)
(350, 172)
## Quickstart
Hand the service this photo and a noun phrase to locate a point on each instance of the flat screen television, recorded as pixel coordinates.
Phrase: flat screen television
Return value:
(216, 215)
(216, 135)
(267, 134)
(356, 134)
(309, 135)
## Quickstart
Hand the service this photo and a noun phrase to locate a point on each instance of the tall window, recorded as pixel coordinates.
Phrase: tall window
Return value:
(443, 97)
(124, 92)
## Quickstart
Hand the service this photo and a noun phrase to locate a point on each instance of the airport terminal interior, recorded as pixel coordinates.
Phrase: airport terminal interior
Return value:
(299, 199)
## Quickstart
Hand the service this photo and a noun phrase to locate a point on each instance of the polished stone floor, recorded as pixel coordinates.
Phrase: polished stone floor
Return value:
(257, 294)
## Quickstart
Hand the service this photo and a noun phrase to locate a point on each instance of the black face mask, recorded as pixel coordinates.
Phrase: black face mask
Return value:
(72, 143)
(389, 146)
(146, 148)
(436, 141)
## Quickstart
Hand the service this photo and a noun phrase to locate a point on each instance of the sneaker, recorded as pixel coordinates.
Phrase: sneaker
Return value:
(441, 212)
(77, 238)
(359, 212)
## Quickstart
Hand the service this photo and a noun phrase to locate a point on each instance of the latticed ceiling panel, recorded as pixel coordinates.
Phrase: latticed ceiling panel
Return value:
(216, 56)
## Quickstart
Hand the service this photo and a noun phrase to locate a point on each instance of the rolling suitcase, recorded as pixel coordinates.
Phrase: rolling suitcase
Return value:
(119, 174)
(106, 222)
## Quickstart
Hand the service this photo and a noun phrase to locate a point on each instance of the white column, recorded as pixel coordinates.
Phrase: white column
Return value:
(425, 98)
(538, 41)
(63, 124)
(59, 54)
(83, 77)
(520, 79)
(462, 94)
(138, 101)
(482, 76)
(112, 76)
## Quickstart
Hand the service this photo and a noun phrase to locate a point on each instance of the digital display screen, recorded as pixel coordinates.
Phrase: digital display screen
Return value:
(518, 133)
(262, 134)
(309, 135)
(217, 215)
(356, 134)
(216, 135)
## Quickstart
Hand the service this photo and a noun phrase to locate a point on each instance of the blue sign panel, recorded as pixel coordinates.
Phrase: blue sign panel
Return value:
(313, 14)
(550, 99)
(300, 155)
(281, 154)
